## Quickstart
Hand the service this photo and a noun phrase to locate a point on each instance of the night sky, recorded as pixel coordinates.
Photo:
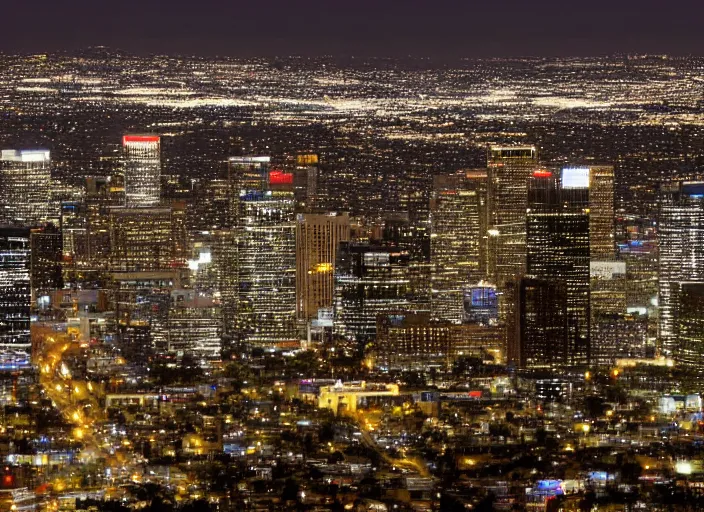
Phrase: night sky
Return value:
(432, 28)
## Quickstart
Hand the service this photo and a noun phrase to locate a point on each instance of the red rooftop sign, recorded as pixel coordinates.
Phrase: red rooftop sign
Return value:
(280, 178)
(139, 138)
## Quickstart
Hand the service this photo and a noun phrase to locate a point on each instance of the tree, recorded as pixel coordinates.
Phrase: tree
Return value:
(200, 505)
(326, 432)
(335, 457)
(239, 374)
(290, 491)
(594, 406)
(414, 379)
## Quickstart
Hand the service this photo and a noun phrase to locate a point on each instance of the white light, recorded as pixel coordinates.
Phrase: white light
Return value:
(25, 155)
(683, 467)
(575, 177)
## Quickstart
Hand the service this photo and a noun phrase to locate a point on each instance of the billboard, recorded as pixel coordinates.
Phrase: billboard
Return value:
(308, 159)
(130, 139)
(376, 259)
(575, 177)
(280, 178)
(607, 269)
(325, 318)
(481, 304)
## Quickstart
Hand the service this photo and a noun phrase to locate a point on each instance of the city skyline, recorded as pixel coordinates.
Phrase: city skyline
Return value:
(375, 284)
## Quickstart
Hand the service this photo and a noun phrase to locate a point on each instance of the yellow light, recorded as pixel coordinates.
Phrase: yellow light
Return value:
(587, 375)
(616, 372)
(586, 428)
(323, 267)
(78, 433)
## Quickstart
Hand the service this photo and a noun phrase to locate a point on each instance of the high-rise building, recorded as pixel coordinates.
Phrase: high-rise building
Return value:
(73, 223)
(602, 243)
(46, 250)
(410, 234)
(681, 250)
(25, 187)
(371, 279)
(481, 304)
(252, 173)
(557, 245)
(305, 181)
(509, 168)
(102, 194)
(540, 337)
(318, 236)
(641, 259)
(415, 186)
(141, 303)
(689, 328)
(143, 239)
(406, 340)
(266, 253)
(142, 158)
(414, 340)
(15, 291)
(213, 266)
(618, 336)
(194, 325)
(608, 306)
(458, 227)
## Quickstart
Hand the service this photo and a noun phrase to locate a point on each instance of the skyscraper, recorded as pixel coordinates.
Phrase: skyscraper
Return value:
(266, 253)
(509, 168)
(142, 159)
(689, 328)
(602, 243)
(458, 227)
(557, 243)
(194, 325)
(102, 194)
(15, 292)
(74, 233)
(371, 279)
(681, 250)
(142, 239)
(608, 307)
(318, 236)
(540, 337)
(251, 173)
(305, 180)
(25, 187)
(618, 336)
(45, 245)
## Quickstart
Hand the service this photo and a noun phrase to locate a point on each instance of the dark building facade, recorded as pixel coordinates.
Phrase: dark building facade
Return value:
(15, 290)
(557, 247)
